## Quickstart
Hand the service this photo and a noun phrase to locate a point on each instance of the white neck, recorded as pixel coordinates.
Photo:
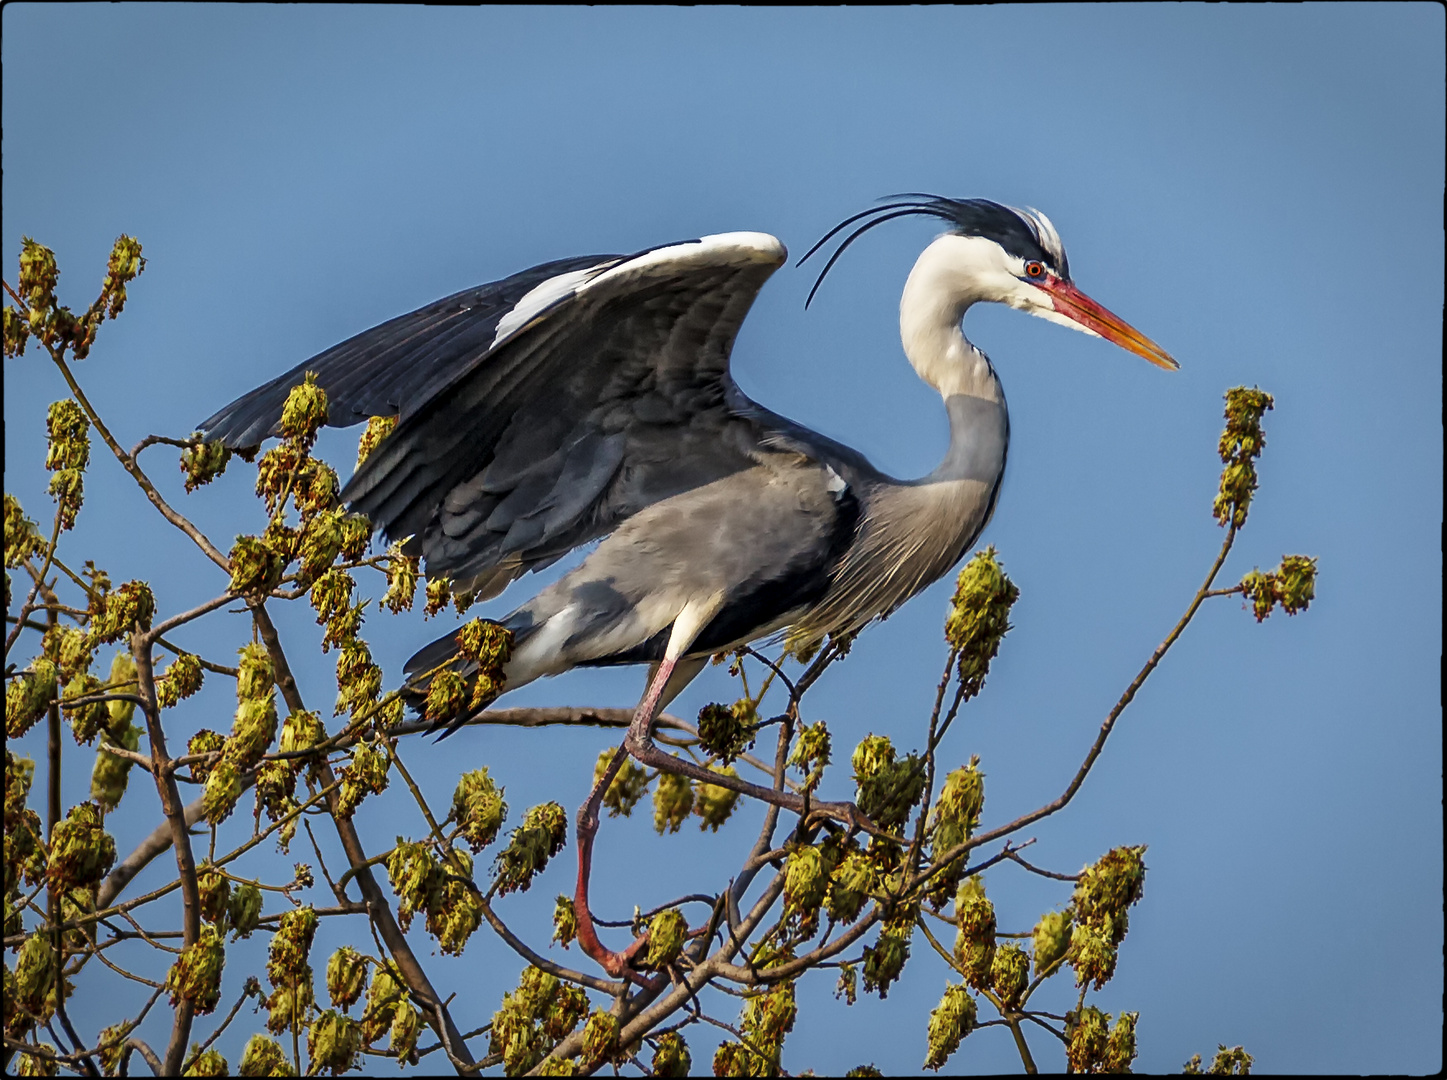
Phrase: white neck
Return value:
(940, 289)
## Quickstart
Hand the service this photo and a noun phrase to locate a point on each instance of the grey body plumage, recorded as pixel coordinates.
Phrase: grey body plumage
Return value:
(591, 398)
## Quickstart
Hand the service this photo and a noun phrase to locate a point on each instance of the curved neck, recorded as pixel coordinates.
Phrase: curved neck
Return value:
(936, 297)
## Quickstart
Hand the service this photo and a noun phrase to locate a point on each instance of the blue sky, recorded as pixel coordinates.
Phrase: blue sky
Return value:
(1258, 188)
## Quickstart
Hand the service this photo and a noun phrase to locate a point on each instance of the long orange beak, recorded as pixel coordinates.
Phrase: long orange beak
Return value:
(1075, 305)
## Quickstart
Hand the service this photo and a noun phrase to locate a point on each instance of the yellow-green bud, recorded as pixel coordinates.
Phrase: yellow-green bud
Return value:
(358, 679)
(68, 433)
(112, 1046)
(223, 789)
(1051, 939)
(215, 891)
(333, 1042)
(182, 679)
(732, 1059)
(1010, 973)
(1241, 444)
(600, 1037)
(202, 462)
(806, 881)
(950, 1021)
(402, 575)
(453, 910)
(252, 731)
(672, 802)
(129, 607)
(446, 697)
(975, 940)
(287, 1006)
(850, 885)
(255, 566)
(406, 1026)
(305, 411)
(887, 789)
(478, 808)
(210, 1063)
(811, 752)
(204, 741)
(365, 774)
(979, 617)
(1092, 956)
(667, 931)
(195, 977)
(35, 979)
(713, 802)
(243, 911)
(378, 428)
(411, 870)
(542, 835)
(1086, 1039)
(1120, 1049)
(122, 681)
(627, 787)
(85, 720)
(81, 851)
(727, 731)
(346, 977)
(884, 960)
(22, 536)
(28, 695)
(671, 1056)
(71, 648)
(265, 1057)
(123, 266)
(383, 999)
(1106, 889)
(331, 595)
(565, 921)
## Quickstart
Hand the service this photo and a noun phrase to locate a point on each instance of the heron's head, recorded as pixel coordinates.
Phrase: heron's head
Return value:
(996, 253)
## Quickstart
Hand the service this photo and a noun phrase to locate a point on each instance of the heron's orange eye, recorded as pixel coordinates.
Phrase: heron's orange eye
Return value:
(1034, 269)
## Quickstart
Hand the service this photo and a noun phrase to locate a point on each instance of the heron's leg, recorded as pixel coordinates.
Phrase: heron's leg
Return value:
(617, 964)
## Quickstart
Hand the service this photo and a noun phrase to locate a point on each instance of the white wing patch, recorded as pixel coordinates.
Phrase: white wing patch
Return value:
(836, 484)
(541, 298)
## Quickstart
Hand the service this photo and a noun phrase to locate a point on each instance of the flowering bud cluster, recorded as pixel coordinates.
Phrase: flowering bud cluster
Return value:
(542, 835)
(205, 1063)
(182, 679)
(28, 695)
(667, 932)
(956, 816)
(68, 434)
(489, 645)
(950, 1021)
(885, 959)
(333, 1042)
(714, 803)
(195, 977)
(402, 575)
(202, 462)
(365, 774)
(388, 1010)
(627, 787)
(887, 789)
(81, 851)
(726, 731)
(979, 617)
(264, 1057)
(975, 936)
(290, 973)
(535, 1017)
(1095, 1045)
(448, 899)
(1241, 444)
(1292, 585)
(378, 428)
(1228, 1062)
(25, 852)
(811, 753)
(22, 536)
(672, 802)
(1102, 895)
(671, 1056)
(478, 808)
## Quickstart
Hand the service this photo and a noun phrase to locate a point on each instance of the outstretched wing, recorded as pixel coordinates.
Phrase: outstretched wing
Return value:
(602, 390)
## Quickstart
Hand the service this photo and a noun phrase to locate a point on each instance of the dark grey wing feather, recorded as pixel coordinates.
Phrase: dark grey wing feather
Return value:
(608, 400)
(392, 367)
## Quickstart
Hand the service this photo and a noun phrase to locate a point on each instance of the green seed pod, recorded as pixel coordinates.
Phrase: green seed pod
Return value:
(713, 803)
(204, 741)
(243, 910)
(600, 1037)
(305, 411)
(223, 789)
(215, 891)
(22, 536)
(446, 697)
(727, 731)
(628, 785)
(85, 720)
(406, 1026)
(667, 932)
(378, 428)
(182, 679)
(195, 977)
(542, 835)
(671, 1056)
(565, 921)
(346, 977)
(1086, 1039)
(384, 997)
(1052, 940)
(672, 802)
(365, 774)
(979, 617)
(81, 851)
(265, 1057)
(210, 1063)
(333, 1042)
(1010, 973)
(252, 732)
(255, 566)
(203, 462)
(478, 808)
(884, 961)
(952, 1019)
(28, 695)
(127, 608)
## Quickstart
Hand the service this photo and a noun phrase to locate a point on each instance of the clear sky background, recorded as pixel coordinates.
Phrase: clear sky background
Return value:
(1258, 188)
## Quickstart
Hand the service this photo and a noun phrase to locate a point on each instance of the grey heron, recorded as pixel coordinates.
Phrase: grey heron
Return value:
(591, 398)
